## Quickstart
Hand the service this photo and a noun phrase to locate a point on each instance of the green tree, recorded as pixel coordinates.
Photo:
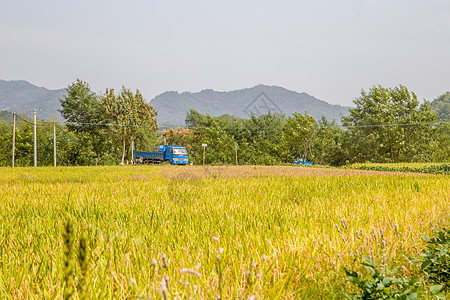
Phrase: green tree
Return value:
(441, 105)
(390, 125)
(260, 139)
(83, 112)
(300, 131)
(24, 143)
(209, 130)
(194, 118)
(5, 143)
(329, 144)
(131, 116)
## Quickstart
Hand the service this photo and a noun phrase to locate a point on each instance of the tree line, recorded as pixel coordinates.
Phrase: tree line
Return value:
(98, 129)
(385, 125)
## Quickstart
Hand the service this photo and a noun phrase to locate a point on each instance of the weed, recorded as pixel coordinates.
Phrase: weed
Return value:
(83, 261)
(69, 257)
(382, 283)
(436, 259)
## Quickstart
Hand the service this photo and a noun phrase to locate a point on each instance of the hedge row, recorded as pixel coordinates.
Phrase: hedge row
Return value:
(434, 169)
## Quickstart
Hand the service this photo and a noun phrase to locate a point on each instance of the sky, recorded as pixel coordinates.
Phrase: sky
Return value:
(329, 49)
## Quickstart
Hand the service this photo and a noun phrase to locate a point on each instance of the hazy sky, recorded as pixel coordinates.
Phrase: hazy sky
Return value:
(327, 48)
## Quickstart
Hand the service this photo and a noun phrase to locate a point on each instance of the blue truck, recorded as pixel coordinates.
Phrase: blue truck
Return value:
(301, 161)
(176, 155)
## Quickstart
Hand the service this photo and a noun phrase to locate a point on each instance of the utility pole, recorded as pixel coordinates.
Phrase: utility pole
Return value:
(132, 152)
(35, 138)
(204, 151)
(54, 143)
(14, 140)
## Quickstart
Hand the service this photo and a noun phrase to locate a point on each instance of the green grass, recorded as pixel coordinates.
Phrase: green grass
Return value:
(279, 236)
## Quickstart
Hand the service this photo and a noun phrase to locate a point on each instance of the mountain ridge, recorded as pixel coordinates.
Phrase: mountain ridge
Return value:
(172, 105)
(20, 96)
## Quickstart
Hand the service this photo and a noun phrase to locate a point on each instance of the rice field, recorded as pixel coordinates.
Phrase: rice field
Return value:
(251, 232)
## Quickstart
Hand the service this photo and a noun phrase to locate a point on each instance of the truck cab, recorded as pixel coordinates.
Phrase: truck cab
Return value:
(176, 155)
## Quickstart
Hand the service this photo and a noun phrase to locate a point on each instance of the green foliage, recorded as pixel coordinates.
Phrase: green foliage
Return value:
(69, 259)
(382, 283)
(84, 112)
(81, 108)
(436, 259)
(130, 114)
(87, 114)
(330, 144)
(434, 272)
(5, 115)
(300, 130)
(441, 105)
(389, 125)
(260, 139)
(83, 262)
(443, 139)
(433, 169)
(24, 146)
(5, 142)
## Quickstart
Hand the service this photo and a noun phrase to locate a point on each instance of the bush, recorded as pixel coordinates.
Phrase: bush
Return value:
(381, 284)
(436, 259)
(434, 169)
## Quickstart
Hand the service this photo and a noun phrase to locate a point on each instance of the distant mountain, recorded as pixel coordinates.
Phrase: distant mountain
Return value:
(261, 99)
(21, 96)
(441, 105)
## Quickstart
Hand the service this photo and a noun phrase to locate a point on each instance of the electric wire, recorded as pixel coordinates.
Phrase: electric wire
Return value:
(229, 126)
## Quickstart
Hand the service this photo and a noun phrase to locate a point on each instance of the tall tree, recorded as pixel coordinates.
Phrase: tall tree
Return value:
(83, 112)
(329, 144)
(390, 125)
(266, 137)
(441, 105)
(5, 142)
(129, 114)
(300, 130)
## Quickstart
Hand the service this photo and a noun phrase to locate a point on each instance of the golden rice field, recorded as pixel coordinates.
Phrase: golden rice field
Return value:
(248, 232)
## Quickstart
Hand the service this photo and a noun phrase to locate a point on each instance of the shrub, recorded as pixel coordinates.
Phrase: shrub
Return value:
(382, 283)
(436, 259)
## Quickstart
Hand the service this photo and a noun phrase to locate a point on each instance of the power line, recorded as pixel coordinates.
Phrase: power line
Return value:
(26, 121)
(62, 129)
(256, 126)
(334, 125)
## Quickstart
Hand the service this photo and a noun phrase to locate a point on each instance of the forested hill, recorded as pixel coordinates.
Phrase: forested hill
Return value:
(21, 97)
(441, 105)
(172, 106)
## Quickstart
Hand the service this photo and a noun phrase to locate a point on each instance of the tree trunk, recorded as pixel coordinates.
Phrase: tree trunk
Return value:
(123, 152)
(310, 151)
